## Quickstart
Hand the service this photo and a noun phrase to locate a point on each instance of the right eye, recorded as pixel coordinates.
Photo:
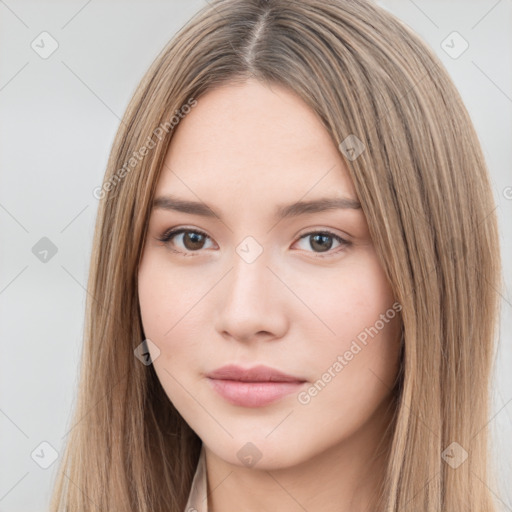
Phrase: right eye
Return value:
(192, 240)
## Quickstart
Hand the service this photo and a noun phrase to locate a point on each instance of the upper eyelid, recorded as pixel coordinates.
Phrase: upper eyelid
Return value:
(180, 229)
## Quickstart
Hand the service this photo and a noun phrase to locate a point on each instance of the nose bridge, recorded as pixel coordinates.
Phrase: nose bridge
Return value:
(250, 303)
(250, 275)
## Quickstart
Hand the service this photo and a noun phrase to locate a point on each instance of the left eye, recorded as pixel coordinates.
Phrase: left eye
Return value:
(194, 240)
(324, 240)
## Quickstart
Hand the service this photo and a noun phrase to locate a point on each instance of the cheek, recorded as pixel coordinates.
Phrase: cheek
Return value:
(163, 313)
(354, 373)
(168, 315)
(352, 301)
(359, 358)
(163, 298)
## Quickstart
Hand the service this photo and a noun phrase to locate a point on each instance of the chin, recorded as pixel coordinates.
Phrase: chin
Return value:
(258, 452)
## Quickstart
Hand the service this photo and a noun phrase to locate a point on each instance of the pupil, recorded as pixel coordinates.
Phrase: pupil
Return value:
(322, 238)
(195, 239)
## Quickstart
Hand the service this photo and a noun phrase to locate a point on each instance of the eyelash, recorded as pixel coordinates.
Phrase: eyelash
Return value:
(169, 235)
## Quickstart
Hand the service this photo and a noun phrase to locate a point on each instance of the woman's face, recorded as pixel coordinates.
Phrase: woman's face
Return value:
(297, 289)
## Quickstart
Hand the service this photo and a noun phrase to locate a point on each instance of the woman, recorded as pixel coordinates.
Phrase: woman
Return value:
(229, 364)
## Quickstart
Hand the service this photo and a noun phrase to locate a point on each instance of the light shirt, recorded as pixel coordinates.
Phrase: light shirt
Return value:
(198, 496)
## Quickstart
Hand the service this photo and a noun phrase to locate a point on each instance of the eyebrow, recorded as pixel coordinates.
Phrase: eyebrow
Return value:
(169, 202)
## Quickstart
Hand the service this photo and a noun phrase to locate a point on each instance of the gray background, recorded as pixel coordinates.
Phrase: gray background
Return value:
(58, 117)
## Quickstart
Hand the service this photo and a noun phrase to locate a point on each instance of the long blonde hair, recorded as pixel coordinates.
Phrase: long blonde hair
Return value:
(424, 188)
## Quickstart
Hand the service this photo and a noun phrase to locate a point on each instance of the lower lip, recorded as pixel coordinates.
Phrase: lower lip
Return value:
(253, 394)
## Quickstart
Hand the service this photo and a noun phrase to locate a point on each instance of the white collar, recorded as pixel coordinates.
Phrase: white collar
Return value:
(198, 496)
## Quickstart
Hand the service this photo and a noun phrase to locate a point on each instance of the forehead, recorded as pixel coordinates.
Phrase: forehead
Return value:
(246, 141)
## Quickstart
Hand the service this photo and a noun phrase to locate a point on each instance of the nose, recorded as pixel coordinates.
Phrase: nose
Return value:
(252, 301)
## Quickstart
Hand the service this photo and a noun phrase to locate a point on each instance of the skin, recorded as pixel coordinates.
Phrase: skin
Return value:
(243, 150)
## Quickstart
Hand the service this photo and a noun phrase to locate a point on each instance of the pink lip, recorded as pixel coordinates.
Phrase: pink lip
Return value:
(253, 387)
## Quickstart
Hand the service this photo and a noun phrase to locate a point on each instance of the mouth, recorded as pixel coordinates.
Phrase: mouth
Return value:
(253, 387)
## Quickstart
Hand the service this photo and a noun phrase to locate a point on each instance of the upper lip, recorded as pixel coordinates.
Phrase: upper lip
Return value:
(258, 373)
